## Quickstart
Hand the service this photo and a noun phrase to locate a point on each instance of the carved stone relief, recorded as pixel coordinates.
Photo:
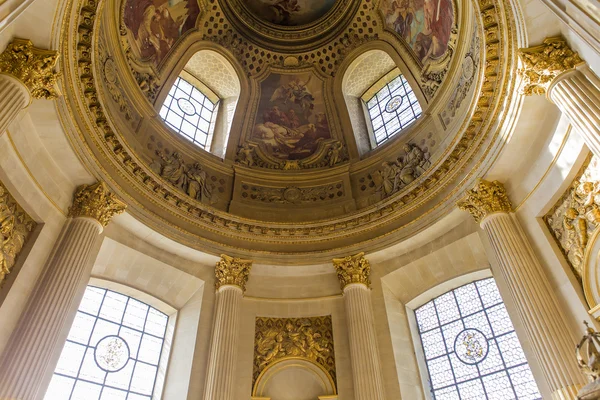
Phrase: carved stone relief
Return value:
(279, 338)
(292, 194)
(15, 228)
(396, 174)
(576, 215)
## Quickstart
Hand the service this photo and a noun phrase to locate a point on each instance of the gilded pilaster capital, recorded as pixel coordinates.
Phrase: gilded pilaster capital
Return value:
(96, 201)
(543, 63)
(232, 271)
(32, 66)
(353, 269)
(484, 199)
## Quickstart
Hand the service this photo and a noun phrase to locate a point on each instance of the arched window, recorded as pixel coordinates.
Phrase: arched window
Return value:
(190, 110)
(471, 348)
(391, 106)
(113, 350)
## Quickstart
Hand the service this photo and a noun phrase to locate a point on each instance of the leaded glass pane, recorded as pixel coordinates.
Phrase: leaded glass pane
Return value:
(189, 112)
(471, 348)
(394, 107)
(112, 351)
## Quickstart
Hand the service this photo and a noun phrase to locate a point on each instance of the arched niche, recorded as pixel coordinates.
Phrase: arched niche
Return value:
(294, 379)
(368, 66)
(208, 67)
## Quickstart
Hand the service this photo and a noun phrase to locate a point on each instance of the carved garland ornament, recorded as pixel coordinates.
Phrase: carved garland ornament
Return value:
(222, 223)
(279, 338)
(232, 271)
(96, 201)
(588, 360)
(353, 269)
(15, 228)
(32, 66)
(484, 199)
(543, 63)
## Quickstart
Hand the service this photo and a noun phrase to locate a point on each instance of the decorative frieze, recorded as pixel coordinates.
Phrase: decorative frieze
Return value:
(543, 63)
(576, 215)
(484, 199)
(353, 269)
(280, 338)
(292, 194)
(32, 66)
(15, 228)
(97, 202)
(232, 271)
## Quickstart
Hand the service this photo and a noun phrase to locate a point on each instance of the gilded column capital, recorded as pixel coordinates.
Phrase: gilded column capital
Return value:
(96, 201)
(32, 66)
(543, 63)
(353, 269)
(484, 199)
(232, 271)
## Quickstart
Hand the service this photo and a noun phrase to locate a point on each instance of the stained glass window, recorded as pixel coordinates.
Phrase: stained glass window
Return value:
(470, 346)
(112, 351)
(189, 112)
(392, 109)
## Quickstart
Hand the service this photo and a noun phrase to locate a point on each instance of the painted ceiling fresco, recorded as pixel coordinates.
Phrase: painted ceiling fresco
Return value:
(290, 12)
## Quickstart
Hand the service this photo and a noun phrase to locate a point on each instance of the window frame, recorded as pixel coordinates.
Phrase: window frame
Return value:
(446, 288)
(374, 90)
(152, 302)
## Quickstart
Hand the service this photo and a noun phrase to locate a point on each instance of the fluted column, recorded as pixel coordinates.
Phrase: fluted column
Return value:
(26, 364)
(231, 278)
(353, 273)
(535, 301)
(552, 68)
(26, 73)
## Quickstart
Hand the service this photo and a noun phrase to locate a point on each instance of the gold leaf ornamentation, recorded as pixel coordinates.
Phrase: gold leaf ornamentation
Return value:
(543, 63)
(15, 228)
(32, 66)
(484, 199)
(353, 269)
(96, 201)
(232, 271)
(280, 338)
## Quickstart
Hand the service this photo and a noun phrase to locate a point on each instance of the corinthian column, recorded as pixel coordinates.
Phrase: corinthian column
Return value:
(231, 278)
(529, 287)
(353, 273)
(552, 68)
(26, 72)
(34, 346)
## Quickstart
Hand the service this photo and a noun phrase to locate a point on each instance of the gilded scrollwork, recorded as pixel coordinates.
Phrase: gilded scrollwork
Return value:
(232, 271)
(543, 63)
(96, 201)
(280, 338)
(32, 66)
(576, 215)
(484, 199)
(292, 194)
(15, 228)
(353, 269)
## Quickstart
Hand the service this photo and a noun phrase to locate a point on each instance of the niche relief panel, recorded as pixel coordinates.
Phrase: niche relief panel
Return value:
(278, 339)
(15, 228)
(576, 215)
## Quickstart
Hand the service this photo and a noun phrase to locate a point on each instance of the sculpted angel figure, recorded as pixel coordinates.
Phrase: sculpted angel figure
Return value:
(246, 156)
(269, 347)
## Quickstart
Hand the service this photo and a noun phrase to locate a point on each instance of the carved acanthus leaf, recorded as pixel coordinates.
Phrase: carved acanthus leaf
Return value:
(484, 199)
(543, 63)
(232, 271)
(32, 66)
(353, 269)
(96, 201)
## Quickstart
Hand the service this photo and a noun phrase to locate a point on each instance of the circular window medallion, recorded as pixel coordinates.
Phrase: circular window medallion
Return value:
(186, 106)
(471, 346)
(394, 103)
(112, 353)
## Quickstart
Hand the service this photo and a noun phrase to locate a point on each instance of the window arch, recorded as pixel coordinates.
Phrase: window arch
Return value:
(470, 346)
(113, 351)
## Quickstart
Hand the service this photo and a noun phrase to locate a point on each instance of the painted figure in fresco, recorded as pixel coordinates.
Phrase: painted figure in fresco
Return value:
(156, 25)
(289, 12)
(293, 124)
(284, 10)
(424, 24)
